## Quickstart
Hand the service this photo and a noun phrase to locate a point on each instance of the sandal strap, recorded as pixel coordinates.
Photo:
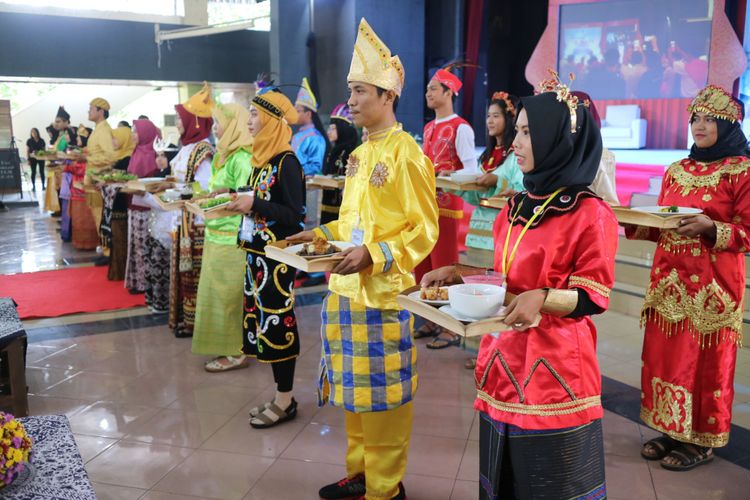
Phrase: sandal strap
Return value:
(661, 443)
(690, 454)
(277, 412)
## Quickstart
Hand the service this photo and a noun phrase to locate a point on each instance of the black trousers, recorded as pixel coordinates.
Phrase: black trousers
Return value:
(34, 164)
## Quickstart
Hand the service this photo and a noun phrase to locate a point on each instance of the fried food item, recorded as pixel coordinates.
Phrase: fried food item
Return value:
(433, 293)
(318, 247)
(671, 208)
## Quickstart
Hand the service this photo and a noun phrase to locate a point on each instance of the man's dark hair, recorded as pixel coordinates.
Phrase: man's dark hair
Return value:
(143, 117)
(395, 100)
(446, 89)
(123, 123)
(106, 113)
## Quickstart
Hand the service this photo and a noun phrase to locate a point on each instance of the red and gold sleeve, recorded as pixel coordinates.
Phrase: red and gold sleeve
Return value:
(734, 236)
(594, 258)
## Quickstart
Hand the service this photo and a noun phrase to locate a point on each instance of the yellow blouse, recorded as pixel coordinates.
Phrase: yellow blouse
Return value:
(100, 153)
(390, 196)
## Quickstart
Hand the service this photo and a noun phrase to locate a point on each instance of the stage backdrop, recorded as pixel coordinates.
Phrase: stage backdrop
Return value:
(654, 54)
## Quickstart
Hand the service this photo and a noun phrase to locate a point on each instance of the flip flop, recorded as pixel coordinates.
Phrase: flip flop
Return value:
(442, 343)
(427, 330)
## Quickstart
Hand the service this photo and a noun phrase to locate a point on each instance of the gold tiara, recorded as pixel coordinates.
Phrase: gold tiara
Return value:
(564, 95)
(717, 102)
(505, 97)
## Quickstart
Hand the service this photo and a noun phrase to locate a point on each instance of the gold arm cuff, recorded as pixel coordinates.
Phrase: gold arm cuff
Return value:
(723, 235)
(560, 302)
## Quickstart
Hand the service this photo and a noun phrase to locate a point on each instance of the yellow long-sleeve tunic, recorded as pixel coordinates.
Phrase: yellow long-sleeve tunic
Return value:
(100, 152)
(389, 195)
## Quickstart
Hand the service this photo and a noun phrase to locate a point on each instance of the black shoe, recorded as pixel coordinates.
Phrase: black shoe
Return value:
(348, 488)
(101, 261)
(401, 492)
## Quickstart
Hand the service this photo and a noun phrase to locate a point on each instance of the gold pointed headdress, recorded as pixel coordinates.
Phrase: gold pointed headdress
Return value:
(201, 103)
(305, 96)
(717, 102)
(372, 62)
(564, 95)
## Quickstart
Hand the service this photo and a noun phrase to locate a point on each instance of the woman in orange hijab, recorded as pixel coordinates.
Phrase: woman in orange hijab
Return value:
(274, 208)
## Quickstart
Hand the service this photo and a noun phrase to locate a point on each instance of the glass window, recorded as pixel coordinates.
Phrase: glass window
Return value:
(152, 7)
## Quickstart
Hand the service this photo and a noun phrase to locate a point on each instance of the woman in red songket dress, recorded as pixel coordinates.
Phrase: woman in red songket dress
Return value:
(693, 307)
(539, 388)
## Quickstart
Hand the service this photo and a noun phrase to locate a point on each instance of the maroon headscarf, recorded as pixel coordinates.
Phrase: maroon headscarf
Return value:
(583, 97)
(143, 159)
(196, 128)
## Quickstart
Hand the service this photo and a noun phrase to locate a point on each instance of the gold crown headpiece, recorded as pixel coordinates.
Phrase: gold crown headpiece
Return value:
(373, 63)
(717, 102)
(564, 95)
(505, 97)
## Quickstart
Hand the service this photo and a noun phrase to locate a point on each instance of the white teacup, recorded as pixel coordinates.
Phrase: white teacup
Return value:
(476, 300)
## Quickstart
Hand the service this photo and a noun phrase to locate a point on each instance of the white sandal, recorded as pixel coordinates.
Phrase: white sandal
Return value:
(235, 363)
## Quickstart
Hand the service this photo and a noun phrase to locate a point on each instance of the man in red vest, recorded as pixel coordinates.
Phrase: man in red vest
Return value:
(449, 143)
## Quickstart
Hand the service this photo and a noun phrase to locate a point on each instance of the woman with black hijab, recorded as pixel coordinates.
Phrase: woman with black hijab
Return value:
(694, 304)
(343, 136)
(539, 387)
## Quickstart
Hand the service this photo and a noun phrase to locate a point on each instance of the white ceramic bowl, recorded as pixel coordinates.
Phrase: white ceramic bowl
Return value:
(172, 194)
(464, 177)
(475, 300)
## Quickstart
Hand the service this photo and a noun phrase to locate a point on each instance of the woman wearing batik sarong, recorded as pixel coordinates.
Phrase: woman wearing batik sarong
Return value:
(539, 387)
(274, 208)
(192, 164)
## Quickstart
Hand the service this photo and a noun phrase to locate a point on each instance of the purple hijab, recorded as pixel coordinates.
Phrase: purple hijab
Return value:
(143, 159)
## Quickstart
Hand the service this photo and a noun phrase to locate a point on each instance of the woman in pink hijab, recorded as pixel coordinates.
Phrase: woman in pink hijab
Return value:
(142, 164)
(143, 159)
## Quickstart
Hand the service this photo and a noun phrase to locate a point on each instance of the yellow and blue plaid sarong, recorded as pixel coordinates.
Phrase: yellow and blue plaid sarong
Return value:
(369, 361)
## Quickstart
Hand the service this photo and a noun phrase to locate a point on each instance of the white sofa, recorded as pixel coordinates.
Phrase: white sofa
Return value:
(623, 127)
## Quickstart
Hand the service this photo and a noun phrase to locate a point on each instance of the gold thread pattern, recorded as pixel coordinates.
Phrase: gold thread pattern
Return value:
(674, 243)
(707, 312)
(679, 173)
(547, 410)
(599, 288)
(699, 438)
(723, 235)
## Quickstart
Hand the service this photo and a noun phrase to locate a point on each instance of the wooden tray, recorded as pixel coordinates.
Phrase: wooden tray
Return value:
(44, 157)
(447, 183)
(276, 252)
(149, 187)
(169, 206)
(210, 213)
(497, 202)
(474, 329)
(636, 217)
(326, 182)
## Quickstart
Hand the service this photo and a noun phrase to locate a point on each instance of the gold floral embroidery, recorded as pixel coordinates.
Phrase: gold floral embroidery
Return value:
(679, 174)
(696, 252)
(379, 175)
(711, 420)
(713, 258)
(694, 278)
(675, 243)
(699, 438)
(352, 166)
(673, 406)
(723, 235)
(717, 393)
(602, 290)
(705, 314)
(706, 197)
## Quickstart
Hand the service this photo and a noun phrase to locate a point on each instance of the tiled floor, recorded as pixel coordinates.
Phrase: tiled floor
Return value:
(152, 424)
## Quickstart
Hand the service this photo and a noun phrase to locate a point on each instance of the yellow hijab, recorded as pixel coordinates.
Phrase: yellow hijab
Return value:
(124, 138)
(232, 118)
(276, 114)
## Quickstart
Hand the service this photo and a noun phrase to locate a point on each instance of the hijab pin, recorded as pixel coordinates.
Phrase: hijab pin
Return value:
(564, 95)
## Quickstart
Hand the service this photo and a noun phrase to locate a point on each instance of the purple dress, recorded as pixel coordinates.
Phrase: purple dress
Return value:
(65, 226)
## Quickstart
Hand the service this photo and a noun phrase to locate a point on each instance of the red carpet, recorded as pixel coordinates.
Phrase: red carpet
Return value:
(48, 294)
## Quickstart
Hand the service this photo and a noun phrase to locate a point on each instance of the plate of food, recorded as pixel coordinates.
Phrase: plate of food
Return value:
(433, 295)
(668, 211)
(318, 248)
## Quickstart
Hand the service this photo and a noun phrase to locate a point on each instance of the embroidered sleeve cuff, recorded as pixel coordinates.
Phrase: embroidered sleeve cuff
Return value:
(382, 257)
(598, 292)
(723, 235)
(324, 232)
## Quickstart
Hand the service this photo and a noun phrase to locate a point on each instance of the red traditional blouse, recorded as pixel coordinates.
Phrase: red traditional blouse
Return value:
(548, 377)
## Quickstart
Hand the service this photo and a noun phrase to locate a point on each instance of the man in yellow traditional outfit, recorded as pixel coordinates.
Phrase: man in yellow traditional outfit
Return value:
(100, 154)
(390, 214)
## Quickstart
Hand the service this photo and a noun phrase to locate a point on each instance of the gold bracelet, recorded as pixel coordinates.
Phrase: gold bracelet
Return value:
(560, 302)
